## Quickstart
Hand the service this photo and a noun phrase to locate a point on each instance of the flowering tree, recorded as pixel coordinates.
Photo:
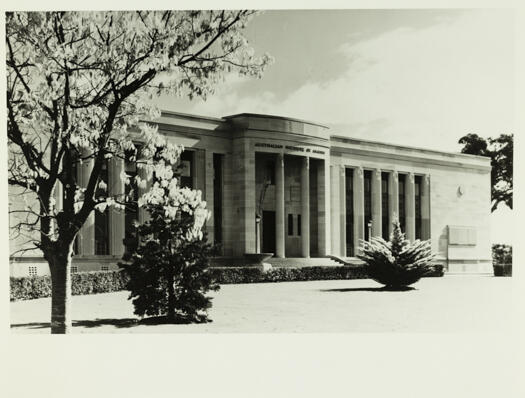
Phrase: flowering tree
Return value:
(77, 83)
(167, 266)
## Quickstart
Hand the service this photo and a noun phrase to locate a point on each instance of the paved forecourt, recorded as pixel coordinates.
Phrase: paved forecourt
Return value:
(463, 303)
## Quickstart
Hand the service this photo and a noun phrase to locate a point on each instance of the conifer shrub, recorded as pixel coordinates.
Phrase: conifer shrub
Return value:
(168, 274)
(397, 263)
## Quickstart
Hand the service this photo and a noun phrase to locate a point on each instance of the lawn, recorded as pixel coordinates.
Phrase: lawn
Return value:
(454, 303)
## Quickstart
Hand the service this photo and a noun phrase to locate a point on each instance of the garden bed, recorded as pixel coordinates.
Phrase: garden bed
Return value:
(34, 287)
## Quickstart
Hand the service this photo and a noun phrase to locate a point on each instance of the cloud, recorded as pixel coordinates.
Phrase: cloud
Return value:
(424, 87)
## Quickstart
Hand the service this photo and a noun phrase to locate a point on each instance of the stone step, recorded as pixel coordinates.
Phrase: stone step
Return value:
(291, 262)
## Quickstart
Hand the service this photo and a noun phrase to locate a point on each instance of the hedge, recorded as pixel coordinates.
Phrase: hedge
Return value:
(33, 287)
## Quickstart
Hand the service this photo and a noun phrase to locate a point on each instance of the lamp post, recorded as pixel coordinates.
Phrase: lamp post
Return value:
(257, 232)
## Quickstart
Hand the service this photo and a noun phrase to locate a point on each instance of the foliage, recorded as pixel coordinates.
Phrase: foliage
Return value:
(168, 267)
(501, 254)
(26, 288)
(500, 150)
(398, 262)
(78, 86)
(33, 287)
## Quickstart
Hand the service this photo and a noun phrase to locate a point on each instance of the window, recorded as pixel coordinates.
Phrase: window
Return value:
(384, 205)
(368, 201)
(270, 172)
(290, 224)
(417, 189)
(298, 225)
(217, 197)
(131, 209)
(186, 169)
(349, 183)
(104, 268)
(74, 174)
(33, 271)
(74, 269)
(102, 219)
(401, 192)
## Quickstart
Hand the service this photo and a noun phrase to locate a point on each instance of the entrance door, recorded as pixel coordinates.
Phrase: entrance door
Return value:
(268, 233)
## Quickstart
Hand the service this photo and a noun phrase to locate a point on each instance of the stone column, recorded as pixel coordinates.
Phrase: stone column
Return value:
(208, 196)
(393, 203)
(335, 209)
(116, 216)
(87, 232)
(359, 208)
(376, 203)
(410, 207)
(342, 207)
(279, 207)
(305, 207)
(243, 197)
(323, 208)
(425, 207)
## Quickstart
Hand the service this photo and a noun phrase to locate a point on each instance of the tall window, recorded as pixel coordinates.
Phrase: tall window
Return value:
(217, 197)
(384, 205)
(102, 219)
(186, 169)
(349, 199)
(290, 224)
(368, 201)
(402, 210)
(131, 213)
(269, 172)
(74, 168)
(417, 189)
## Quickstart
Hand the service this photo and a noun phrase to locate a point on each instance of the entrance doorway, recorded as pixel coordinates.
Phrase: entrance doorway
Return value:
(268, 232)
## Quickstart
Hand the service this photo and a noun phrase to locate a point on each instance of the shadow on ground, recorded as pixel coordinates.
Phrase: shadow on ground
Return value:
(118, 323)
(371, 289)
(91, 323)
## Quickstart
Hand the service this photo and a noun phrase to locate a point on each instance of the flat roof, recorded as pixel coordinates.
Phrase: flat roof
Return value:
(335, 137)
(398, 146)
(260, 115)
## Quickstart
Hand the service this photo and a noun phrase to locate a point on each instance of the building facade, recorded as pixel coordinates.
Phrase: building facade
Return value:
(289, 187)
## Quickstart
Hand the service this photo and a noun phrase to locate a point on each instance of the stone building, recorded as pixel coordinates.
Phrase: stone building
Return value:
(290, 187)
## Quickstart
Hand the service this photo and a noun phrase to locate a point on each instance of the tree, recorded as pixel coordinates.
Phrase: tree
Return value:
(168, 268)
(78, 86)
(397, 263)
(500, 151)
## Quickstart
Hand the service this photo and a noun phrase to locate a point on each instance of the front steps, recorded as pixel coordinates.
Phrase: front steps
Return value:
(331, 261)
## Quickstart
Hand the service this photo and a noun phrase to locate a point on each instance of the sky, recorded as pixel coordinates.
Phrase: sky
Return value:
(421, 78)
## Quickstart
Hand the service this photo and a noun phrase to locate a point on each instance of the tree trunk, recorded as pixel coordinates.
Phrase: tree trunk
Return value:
(61, 293)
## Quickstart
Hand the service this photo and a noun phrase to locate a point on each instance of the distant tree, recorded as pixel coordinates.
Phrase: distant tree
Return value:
(78, 83)
(500, 152)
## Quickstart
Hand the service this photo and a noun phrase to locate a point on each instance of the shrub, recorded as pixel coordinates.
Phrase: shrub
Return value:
(501, 254)
(168, 269)
(397, 263)
(502, 259)
(34, 287)
(230, 275)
